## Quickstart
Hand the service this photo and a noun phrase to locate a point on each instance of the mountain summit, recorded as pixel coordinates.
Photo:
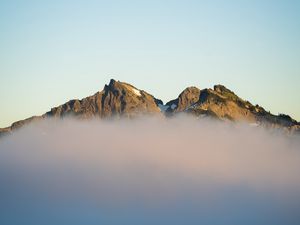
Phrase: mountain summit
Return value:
(123, 100)
(116, 99)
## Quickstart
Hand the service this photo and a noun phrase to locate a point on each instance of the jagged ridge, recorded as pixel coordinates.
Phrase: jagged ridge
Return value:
(119, 99)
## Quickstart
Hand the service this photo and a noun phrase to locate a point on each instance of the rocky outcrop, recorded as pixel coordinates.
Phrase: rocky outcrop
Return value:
(224, 104)
(117, 99)
(187, 97)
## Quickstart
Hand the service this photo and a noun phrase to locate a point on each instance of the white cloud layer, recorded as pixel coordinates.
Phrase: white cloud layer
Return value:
(149, 171)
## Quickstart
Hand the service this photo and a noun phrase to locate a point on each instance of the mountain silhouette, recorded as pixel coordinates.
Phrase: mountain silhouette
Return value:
(122, 100)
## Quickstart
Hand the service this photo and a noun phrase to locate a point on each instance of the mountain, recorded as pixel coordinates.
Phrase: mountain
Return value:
(122, 100)
(116, 99)
(223, 104)
(187, 97)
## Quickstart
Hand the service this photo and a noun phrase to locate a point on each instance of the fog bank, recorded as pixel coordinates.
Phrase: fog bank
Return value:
(149, 171)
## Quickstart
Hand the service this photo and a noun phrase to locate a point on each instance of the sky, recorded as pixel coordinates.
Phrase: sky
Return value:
(54, 51)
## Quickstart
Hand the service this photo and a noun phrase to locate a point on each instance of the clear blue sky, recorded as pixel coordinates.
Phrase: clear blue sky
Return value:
(53, 51)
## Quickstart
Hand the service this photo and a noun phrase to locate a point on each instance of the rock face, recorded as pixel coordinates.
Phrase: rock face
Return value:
(224, 104)
(117, 99)
(122, 100)
(186, 98)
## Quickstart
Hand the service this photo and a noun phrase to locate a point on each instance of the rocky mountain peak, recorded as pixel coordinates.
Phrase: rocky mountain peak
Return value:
(120, 99)
(113, 85)
(222, 89)
(112, 82)
(117, 99)
(186, 98)
(122, 88)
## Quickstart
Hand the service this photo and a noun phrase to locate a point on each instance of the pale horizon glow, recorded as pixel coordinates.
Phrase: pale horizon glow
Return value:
(54, 51)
